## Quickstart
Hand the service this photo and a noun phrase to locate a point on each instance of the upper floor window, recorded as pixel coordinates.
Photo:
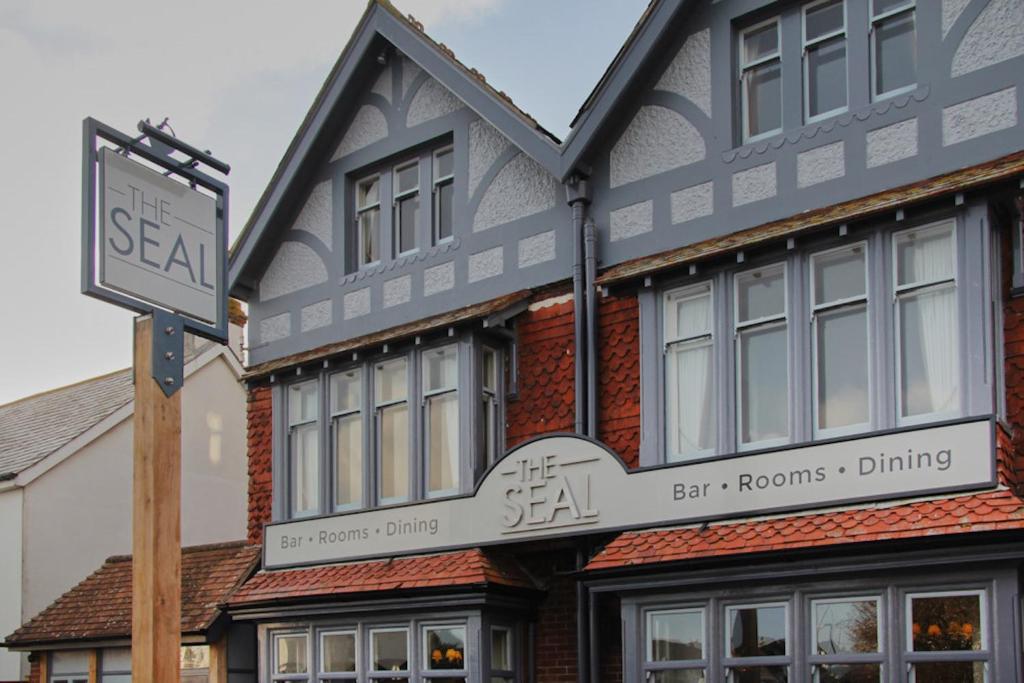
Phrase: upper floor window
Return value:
(893, 47)
(420, 190)
(824, 50)
(411, 425)
(793, 350)
(761, 80)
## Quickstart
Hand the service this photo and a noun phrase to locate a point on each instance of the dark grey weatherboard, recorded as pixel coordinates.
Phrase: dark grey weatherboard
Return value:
(670, 167)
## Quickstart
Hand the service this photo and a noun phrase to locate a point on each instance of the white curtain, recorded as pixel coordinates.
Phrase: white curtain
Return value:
(304, 473)
(444, 442)
(691, 407)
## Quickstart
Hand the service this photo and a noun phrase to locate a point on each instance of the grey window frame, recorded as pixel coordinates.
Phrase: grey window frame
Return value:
(398, 197)
(745, 68)
(472, 455)
(377, 406)
(292, 512)
(410, 653)
(425, 396)
(274, 677)
(815, 42)
(333, 417)
(512, 674)
(650, 666)
(978, 298)
(874, 20)
(428, 674)
(878, 657)
(437, 182)
(730, 662)
(985, 654)
(319, 672)
(360, 210)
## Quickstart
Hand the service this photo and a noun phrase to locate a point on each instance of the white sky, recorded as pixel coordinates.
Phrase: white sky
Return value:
(235, 77)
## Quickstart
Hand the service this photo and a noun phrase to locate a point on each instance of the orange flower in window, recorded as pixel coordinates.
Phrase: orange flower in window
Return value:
(967, 629)
(436, 656)
(954, 628)
(934, 630)
(453, 655)
(916, 628)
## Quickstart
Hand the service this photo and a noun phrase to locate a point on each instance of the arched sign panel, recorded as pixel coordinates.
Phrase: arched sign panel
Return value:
(568, 485)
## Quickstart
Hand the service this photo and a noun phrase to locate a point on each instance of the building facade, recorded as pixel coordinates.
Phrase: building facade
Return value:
(722, 387)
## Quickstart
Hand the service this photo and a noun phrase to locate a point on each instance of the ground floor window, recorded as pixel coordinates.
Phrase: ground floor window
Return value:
(856, 631)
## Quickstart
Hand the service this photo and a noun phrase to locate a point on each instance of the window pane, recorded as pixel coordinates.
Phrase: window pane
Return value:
(501, 649)
(839, 275)
(305, 458)
(823, 19)
(895, 53)
(440, 369)
(291, 655)
(929, 372)
(346, 391)
(949, 672)
(676, 636)
(443, 415)
(394, 457)
(757, 632)
(302, 400)
(368, 193)
(842, 367)
(192, 657)
(689, 314)
(488, 409)
(407, 178)
(690, 408)
(446, 647)
(760, 42)
(369, 236)
(69, 662)
(678, 676)
(883, 6)
(764, 98)
(120, 658)
(408, 217)
(490, 369)
(924, 256)
(764, 384)
(946, 623)
(392, 378)
(849, 673)
(759, 674)
(348, 460)
(826, 76)
(338, 652)
(390, 650)
(444, 163)
(445, 195)
(761, 293)
(845, 627)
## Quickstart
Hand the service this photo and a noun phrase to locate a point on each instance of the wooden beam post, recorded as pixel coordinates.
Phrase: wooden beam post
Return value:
(94, 667)
(156, 520)
(219, 660)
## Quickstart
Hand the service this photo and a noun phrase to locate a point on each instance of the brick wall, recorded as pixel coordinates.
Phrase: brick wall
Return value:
(36, 667)
(1011, 446)
(547, 399)
(619, 376)
(260, 431)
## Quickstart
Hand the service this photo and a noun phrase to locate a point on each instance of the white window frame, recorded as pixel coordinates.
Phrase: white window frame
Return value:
(915, 288)
(323, 675)
(428, 394)
(406, 673)
(812, 43)
(983, 655)
(729, 662)
(650, 666)
(379, 406)
(436, 183)
(839, 304)
(670, 342)
(289, 440)
(874, 20)
(426, 673)
(764, 322)
(278, 635)
(397, 198)
(491, 417)
(816, 660)
(745, 68)
(360, 210)
(335, 416)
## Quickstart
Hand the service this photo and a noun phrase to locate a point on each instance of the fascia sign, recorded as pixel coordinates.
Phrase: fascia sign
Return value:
(563, 485)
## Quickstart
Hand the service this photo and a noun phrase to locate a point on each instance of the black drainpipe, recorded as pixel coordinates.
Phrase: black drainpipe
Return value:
(577, 192)
(590, 274)
(582, 621)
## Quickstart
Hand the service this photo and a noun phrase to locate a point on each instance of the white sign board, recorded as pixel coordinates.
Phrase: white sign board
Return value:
(157, 239)
(563, 484)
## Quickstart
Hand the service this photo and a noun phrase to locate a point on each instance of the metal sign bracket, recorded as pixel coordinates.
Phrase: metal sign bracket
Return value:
(168, 351)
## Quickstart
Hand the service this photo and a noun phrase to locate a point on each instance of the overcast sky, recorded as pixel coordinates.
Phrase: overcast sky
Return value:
(235, 77)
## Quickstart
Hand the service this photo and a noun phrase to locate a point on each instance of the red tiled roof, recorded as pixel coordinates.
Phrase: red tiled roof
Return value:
(101, 605)
(463, 568)
(991, 511)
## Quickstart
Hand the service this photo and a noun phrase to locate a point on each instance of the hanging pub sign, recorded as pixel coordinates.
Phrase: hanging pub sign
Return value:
(563, 485)
(154, 227)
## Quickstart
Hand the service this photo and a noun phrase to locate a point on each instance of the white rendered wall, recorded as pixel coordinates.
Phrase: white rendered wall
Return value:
(10, 579)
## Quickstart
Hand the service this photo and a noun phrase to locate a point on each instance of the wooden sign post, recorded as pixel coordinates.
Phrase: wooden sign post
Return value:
(156, 520)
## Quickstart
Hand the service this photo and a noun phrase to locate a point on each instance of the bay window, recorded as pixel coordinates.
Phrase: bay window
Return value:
(846, 639)
(389, 653)
(757, 645)
(338, 656)
(947, 636)
(675, 646)
(304, 447)
(441, 420)
(347, 431)
(290, 657)
(392, 413)
(879, 329)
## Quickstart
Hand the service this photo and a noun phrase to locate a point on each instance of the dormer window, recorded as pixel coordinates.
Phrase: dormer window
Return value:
(444, 193)
(407, 206)
(761, 80)
(368, 220)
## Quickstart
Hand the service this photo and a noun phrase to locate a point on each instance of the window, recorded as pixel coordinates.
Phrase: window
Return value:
(761, 80)
(195, 663)
(756, 643)
(389, 652)
(846, 640)
(675, 651)
(795, 350)
(444, 653)
(689, 373)
(69, 667)
(502, 655)
(924, 261)
(761, 341)
(444, 194)
(893, 47)
(407, 207)
(397, 428)
(824, 50)
(839, 310)
(290, 657)
(947, 637)
(303, 447)
(368, 221)
(338, 655)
